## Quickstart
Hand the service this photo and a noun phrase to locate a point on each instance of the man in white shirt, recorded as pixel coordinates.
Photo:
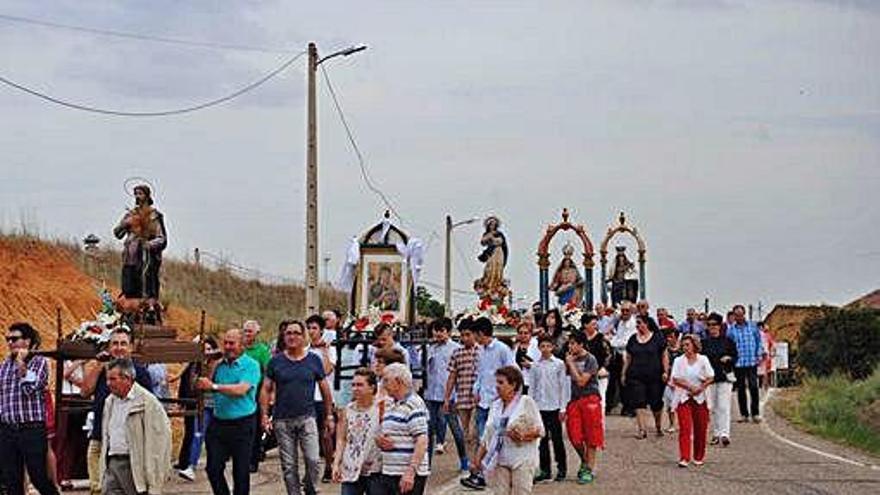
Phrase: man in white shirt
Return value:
(439, 354)
(624, 328)
(526, 352)
(322, 348)
(550, 390)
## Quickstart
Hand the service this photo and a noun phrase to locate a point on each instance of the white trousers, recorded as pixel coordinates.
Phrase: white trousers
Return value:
(719, 396)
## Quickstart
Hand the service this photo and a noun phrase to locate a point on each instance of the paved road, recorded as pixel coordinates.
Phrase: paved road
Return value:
(757, 462)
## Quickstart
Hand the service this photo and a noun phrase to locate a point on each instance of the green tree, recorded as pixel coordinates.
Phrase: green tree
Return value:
(843, 340)
(427, 306)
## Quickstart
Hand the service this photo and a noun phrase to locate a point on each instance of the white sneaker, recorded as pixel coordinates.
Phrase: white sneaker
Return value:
(187, 474)
(440, 449)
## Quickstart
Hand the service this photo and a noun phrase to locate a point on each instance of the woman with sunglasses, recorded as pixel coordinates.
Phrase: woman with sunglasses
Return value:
(721, 351)
(645, 371)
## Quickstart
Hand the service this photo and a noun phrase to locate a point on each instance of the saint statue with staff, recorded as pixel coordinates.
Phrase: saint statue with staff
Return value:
(142, 230)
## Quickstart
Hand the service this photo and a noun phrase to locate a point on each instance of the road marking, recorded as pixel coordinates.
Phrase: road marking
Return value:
(766, 427)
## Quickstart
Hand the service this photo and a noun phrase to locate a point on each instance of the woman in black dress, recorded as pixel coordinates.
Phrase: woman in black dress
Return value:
(645, 371)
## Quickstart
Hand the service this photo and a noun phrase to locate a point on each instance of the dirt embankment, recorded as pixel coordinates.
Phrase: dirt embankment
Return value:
(38, 278)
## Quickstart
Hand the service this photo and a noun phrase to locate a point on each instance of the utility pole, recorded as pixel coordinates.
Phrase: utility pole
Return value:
(312, 300)
(447, 286)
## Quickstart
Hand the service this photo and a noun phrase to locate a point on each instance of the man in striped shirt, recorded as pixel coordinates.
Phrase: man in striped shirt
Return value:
(404, 436)
(462, 376)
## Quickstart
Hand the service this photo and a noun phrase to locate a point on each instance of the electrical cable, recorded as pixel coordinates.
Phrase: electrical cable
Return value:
(365, 174)
(357, 151)
(163, 113)
(142, 37)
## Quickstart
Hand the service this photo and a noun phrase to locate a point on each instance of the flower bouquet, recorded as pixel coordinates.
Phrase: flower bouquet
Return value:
(571, 315)
(372, 319)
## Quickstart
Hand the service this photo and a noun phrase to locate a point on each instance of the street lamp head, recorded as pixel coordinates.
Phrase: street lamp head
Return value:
(354, 49)
(343, 53)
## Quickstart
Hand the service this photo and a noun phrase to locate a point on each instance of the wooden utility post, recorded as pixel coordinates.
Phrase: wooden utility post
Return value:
(312, 301)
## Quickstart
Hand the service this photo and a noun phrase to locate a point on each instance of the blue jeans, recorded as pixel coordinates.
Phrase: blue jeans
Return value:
(295, 434)
(437, 421)
(195, 448)
(482, 417)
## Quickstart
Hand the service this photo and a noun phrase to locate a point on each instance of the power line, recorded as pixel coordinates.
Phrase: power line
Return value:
(163, 113)
(357, 151)
(365, 174)
(142, 37)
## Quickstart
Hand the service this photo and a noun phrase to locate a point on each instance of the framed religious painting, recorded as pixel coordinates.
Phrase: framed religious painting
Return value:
(383, 283)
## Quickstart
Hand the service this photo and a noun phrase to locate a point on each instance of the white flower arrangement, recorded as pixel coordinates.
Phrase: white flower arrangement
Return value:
(571, 316)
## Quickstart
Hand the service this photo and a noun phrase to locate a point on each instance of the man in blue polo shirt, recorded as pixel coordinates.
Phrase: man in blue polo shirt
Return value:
(231, 432)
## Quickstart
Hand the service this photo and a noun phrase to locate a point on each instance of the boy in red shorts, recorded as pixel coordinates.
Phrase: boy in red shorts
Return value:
(584, 411)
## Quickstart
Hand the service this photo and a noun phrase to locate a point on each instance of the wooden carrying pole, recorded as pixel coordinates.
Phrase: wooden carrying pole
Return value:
(59, 367)
(203, 364)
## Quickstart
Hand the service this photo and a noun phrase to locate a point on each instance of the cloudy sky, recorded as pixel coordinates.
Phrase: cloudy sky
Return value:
(741, 137)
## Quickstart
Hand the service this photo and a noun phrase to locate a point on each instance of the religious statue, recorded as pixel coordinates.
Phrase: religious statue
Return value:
(144, 238)
(568, 284)
(623, 288)
(492, 284)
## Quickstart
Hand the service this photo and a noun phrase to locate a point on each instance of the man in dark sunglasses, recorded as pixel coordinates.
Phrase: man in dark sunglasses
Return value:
(23, 381)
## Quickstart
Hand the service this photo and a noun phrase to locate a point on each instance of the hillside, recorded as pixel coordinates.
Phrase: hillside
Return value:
(37, 276)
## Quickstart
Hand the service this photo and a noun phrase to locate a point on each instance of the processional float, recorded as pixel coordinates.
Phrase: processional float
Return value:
(567, 282)
(619, 283)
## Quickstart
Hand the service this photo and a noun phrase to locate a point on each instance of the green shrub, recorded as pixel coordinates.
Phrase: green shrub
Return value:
(841, 340)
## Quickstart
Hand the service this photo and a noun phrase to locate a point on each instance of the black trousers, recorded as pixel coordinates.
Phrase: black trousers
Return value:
(25, 447)
(390, 485)
(747, 377)
(227, 439)
(614, 394)
(553, 429)
(257, 445)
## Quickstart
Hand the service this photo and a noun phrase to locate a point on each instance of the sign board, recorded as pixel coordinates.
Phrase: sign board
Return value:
(780, 360)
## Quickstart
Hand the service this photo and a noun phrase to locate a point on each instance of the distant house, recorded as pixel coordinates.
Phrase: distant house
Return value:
(786, 320)
(871, 300)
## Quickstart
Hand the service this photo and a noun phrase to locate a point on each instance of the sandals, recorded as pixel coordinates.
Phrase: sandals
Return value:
(641, 435)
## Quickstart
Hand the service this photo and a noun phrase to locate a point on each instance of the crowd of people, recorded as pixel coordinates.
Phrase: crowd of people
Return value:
(379, 431)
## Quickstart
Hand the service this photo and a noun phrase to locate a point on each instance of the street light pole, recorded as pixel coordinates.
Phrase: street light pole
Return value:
(447, 286)
(312, 298)
(312, 295)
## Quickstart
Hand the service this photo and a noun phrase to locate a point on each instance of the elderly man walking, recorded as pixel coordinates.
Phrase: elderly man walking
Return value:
(135, 436)
(404, 436)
